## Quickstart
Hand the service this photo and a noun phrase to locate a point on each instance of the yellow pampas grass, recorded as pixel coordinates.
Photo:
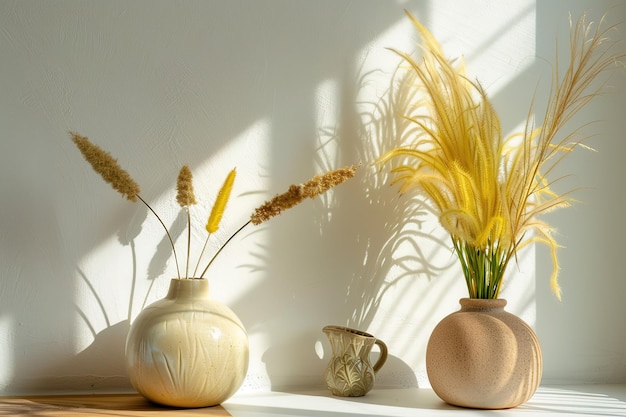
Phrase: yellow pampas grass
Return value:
(488, 190)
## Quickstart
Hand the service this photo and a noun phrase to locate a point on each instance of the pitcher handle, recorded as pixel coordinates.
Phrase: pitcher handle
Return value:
(382, 357)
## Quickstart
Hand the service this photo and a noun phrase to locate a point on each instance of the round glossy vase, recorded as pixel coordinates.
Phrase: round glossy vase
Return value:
(484, 357)
(187, 350)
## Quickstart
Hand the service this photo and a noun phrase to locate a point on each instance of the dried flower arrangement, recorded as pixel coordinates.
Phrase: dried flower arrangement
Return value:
(109, 169)
(488, 191)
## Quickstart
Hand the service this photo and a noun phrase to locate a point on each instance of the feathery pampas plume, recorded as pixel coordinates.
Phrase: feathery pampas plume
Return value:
(490, 191)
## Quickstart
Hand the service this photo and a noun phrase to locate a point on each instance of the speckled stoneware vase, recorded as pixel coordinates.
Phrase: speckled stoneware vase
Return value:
(484, 357)
(187, 350)
(349, 372)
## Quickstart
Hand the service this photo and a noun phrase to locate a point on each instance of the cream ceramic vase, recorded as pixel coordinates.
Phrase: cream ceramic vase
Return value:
(349, 372)
(187, 350)
(484, 357)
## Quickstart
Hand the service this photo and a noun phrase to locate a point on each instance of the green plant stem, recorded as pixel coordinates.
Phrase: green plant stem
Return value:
(166, 231)
(483, 268)
(223, 246)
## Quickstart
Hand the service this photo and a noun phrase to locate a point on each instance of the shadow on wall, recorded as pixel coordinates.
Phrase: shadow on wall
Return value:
(329, 261)
(274, 77)
(377, 232)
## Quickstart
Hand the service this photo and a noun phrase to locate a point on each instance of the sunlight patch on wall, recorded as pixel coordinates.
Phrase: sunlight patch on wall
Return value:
(328, 113)
(6, 353)
(327, 103)
(249, 152)
(486, 48)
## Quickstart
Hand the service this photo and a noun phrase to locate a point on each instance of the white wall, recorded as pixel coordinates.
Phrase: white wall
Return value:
(270, 87)
(584, 337)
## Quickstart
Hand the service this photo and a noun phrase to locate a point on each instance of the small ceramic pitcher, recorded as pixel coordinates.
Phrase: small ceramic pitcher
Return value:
(349, 372)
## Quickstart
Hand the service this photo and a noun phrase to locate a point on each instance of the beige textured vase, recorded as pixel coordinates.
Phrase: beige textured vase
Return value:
(349, 372)
(484, 357)
(187, 350)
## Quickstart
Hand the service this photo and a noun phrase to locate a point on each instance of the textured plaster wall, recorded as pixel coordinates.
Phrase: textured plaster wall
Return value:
(282, 90)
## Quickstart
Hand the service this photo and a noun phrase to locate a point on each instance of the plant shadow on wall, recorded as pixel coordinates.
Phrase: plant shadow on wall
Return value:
(202, 99)
(384, 239)
(395, 245)
(109, 342)
(398, 243)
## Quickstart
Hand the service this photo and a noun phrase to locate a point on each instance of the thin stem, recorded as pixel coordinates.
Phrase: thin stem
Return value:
(166, 231)
(131, 298)
(201, 254)
(188, 242)
(223, 246)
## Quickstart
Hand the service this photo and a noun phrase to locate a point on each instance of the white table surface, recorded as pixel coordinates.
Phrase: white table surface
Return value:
(562, 401)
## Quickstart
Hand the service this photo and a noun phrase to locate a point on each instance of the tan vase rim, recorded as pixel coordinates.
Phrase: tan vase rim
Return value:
(483, 302)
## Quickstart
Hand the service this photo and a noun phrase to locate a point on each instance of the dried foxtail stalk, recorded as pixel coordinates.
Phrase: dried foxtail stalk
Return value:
(185, 198)
(109, 169)
(217, 212)
(317, 185)
(184, 186)
(220, 203)
(104, 164)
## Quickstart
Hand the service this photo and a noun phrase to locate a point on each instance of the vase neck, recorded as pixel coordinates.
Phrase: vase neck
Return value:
(477, 304)
(188, 288)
